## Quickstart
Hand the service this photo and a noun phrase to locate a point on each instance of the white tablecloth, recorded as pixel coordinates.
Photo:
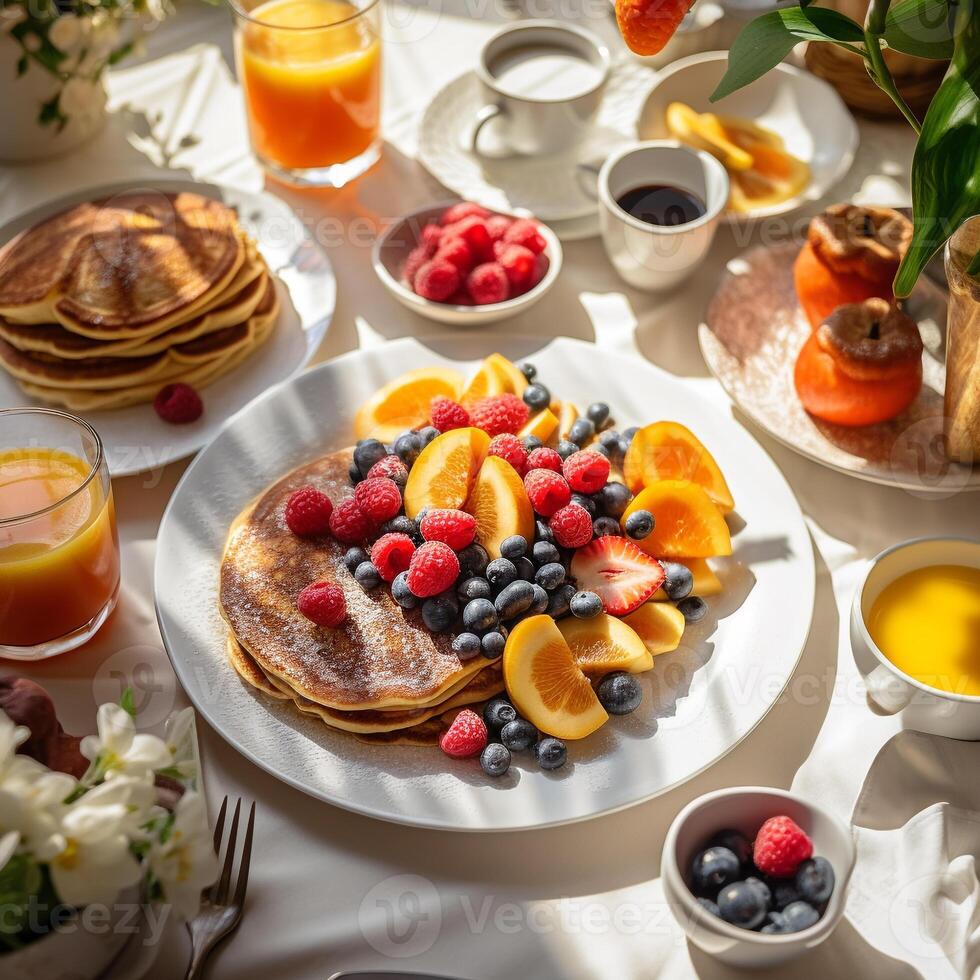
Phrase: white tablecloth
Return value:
(579, 901)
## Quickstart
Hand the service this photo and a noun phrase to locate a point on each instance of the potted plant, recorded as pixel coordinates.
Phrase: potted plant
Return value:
(53, 57)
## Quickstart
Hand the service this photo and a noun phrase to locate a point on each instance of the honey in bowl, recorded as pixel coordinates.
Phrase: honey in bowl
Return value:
(927, 623)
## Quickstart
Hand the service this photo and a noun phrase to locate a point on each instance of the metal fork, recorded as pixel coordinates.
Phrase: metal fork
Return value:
(221, 911)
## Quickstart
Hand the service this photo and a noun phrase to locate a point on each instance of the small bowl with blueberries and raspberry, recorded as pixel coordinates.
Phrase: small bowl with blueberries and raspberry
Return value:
(465, 265)
(755, 875)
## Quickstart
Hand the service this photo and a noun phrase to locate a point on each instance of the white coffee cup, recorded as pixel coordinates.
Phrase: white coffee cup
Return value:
(545, 79)
(658, 257)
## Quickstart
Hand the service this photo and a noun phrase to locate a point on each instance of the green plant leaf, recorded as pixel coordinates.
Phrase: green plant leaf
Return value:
(922, 28)
(127, 702)
(22, 65)
(20, 879)
(946, 165)
(765, 41)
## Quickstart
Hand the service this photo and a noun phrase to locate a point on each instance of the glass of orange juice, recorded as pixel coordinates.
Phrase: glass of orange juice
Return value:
(311, 74)
(59, 550)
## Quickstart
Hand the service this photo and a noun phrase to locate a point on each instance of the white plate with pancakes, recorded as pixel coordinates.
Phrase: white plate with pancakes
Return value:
(109, 294)
(699, 701)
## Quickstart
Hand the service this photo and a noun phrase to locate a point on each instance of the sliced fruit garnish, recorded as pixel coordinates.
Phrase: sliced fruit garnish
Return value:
(500, 505)
(705, 581)
(404, 403)
(618, 572)
(688, 524)
(541, 425)
(605, 643)
(488, 380)
(705, 131)
(670, 451)
(545, 683)
(566, 416)
(445, 471)
(516, 382)
(659, 625)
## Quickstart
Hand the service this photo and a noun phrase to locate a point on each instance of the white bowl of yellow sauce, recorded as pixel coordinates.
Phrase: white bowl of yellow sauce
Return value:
(915, 634)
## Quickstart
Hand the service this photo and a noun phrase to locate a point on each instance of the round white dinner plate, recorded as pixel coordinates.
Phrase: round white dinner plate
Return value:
(699, 701)
(135, 438)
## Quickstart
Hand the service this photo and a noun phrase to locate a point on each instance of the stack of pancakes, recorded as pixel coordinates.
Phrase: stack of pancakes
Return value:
(105, 303)
(381, 674)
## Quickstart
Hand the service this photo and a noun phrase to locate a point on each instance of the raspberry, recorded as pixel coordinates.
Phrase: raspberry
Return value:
(455, 528)
(473, 230)
(547, 491)
(467, 735)
(543, 458)
(437, 280)
(416, 259)
(348, 524)
(518, 264)
(323, 603)
(445, 414)
(780, 846)
(525, 232)
(586, 471)
(488, 283)
(178, 404)
(391, 467)
(461, 298)
(433, 569)
(308, 512)
(507, 446)
(499, 413)
(378, 499)
(497, 225)
(456, 251)
(465, 209)
(430, 239)
(391, 554)
(541, 264)
(571, 526)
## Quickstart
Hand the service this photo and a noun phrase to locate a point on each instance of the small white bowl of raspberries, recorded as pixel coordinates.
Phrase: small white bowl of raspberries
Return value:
(465, 265)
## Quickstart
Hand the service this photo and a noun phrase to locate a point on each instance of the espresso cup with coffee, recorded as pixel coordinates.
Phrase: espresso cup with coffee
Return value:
(544, 80)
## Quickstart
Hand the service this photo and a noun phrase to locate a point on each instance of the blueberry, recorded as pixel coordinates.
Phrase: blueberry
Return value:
(604, 527)
(710, 907)
(712, 869)
(473, 559)
(541, 601)
(474, 588)
(585, 605)
(479, 615)
(427, 434)
(815, 880)
(439, 613)
(639, 524)
(493, 644)
(736, 842)
(354, 557)
(764, 890)
(776, 924)
(531, 443)
(629, 433)
(566, 448)
(609, 439)
(501, 572)
(597, 413)
(619, 693)
(550, 753)
(366, 453)
(514, 599)
(614, 498)
(513, 547)
(518, 735)
(558, 603)
(550, 576)
(466, 645)
(367, 576)
(742, 904)
(536, 397)
(544, 553)
(799, 916)
(542, 532)
(496, 714)
(354, 474)
(679, 581)
(495, 759)
(407, 447)
(525, 569)
(401, 525)
(694, 608)
(582, 431)
(528, 370)
(783, 892)
(598, 447)
(401, 593)
(583, 500)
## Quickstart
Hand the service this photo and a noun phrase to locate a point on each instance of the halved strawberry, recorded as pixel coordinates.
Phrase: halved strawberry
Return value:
(618, 572)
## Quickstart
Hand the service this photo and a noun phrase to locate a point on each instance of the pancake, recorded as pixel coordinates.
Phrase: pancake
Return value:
(131, 266)
(381, 657)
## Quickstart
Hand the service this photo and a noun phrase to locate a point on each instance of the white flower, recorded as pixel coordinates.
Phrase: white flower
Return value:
(181, 740)
(32, 802)
(78, 98)
(8, 845)
(67, 33)
(117, 747)
(10, 17)
(31, 41)
(185, 862)
(11, 738)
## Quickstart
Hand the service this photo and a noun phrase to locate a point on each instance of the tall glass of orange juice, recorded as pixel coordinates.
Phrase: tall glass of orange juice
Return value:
(59, 550)
(311, 74)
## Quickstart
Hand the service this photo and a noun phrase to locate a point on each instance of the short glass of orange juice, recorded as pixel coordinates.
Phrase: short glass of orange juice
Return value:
(311, 74)
(59, 550)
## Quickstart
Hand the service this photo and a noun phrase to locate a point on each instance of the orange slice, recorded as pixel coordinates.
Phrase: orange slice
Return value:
(546, 685)
(516, 382)
(404, 403)
(566, 416)
(670, 451)
(705, 581)
(444, 473)
(688, 523)
(488, 380)
(500, 505)
(542, 425)
(659, 625)
(605, 643)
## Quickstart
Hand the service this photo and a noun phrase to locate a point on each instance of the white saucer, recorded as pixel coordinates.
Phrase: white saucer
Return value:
(559, 190)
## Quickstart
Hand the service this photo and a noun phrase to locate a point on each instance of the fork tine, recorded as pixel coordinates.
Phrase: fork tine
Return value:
(246, 859)
(221, 889)
(220, 826)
